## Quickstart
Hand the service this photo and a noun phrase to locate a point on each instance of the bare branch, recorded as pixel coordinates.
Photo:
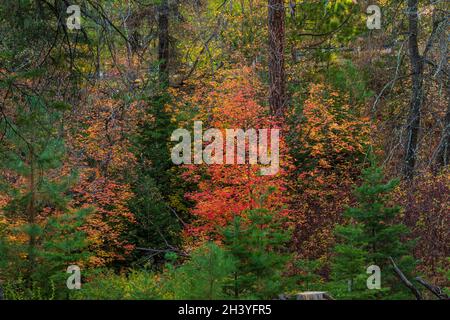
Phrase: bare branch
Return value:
(405, 280)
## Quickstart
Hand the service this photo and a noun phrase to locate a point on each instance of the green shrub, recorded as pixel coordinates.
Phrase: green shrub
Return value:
(137, 285)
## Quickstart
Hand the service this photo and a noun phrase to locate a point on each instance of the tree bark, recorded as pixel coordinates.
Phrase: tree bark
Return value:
(433, 289)
(163, 43)
(413, 125)
(277, 94)
(444, 147)
(441, 32)
(405, 280)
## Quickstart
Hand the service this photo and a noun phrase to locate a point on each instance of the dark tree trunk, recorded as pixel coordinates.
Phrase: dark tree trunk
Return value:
(413, 125)
(444, 146)
(163, 42)
(277, 94)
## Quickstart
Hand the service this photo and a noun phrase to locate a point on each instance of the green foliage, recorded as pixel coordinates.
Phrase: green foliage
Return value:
(308, 278)
(317, 19)
(136, 285)
(345, 77)
(356, 288)
(20, 289)
(203, 276)
(370, 238)
(90, 84)
(258, 243)
(47, 237)
(63, 244)
(251, 264)
(157, 186)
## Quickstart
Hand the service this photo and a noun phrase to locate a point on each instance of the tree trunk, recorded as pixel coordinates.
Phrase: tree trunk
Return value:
(444, 146)
(277, 95)
(163, 43)
(413, 125)
(31, 216)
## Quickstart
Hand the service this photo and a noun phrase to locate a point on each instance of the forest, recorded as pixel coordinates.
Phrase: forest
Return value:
(224, 149)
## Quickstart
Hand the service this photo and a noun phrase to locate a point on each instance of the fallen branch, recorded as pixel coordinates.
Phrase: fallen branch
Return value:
(405, 280)
(434, 289)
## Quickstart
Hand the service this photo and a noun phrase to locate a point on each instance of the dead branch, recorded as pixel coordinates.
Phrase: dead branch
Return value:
(405, 281)
(437, 291)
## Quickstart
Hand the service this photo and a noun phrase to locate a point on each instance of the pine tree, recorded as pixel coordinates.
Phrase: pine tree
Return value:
(308, 276)
(43, 236)
(63, 244)
(159, 193)
(371, 237)
(258, 243)
(203, 276)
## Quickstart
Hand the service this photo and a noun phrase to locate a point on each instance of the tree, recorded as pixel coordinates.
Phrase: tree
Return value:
(203, 276)
(45, 234)
(413, 124)
(327, 140)
(371, 237)
(308, 273)
(163, 42)
(224, 191)
(63, 243)
(258, 244)
(443, 157)
(277, 95)
(156, 187)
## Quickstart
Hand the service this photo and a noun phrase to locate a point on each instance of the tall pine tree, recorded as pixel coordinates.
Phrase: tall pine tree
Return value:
(257, 241)
(159, 192)
(43, 236)
(370, 238)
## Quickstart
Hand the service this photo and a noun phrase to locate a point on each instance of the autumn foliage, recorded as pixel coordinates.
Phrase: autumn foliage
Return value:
(88, 177)
(226, 191)
(329, 141)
